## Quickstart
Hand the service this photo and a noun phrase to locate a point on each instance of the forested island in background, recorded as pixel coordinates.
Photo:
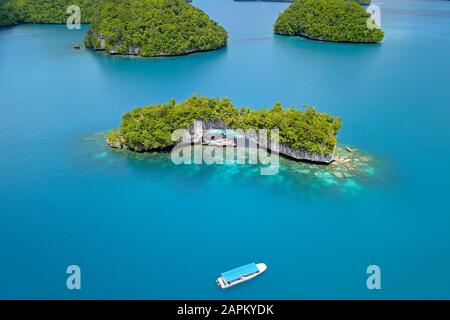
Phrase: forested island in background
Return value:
(363, 2)
(304, 135)
(133, 27)
(46, 11)
(172, 27)
(153, 28)
(327, 20)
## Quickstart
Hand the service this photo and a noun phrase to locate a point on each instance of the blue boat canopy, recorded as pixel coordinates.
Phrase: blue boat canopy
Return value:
(239, 272)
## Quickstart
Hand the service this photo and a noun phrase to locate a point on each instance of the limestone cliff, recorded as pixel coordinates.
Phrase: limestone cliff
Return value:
(198, 129)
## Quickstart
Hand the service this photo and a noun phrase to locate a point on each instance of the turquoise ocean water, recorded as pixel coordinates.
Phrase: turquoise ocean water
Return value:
(141, 227)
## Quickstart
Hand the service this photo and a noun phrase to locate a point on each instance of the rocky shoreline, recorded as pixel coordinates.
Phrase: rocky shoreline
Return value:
(198, 129)
(345, 164)
(136, 51)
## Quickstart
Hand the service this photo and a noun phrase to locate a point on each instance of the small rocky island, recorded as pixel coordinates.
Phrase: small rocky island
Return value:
(328, 20)
(303, 135)
(153, 28)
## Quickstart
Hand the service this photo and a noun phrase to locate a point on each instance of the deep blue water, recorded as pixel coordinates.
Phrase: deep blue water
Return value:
(141, 227)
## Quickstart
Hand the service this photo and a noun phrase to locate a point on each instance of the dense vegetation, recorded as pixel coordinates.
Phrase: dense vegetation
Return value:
(140, 27)
(328, 20)
(9, 15)
(151, 127)
(153, 28)
(365, 2)
(46, 11)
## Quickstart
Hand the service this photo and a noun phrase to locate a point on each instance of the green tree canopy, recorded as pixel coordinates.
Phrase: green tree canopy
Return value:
(46, 11)
(327, 20)
(151, 127)
(140, 27)
(153, 28)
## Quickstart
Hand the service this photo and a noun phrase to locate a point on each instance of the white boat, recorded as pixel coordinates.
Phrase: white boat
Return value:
(240, 274)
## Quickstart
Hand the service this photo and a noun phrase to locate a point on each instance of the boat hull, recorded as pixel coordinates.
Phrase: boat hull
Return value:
(222, 283)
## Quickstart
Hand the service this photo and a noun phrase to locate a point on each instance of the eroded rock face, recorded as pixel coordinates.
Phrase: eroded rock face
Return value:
(135, 51)
(303, 155)
(115, 143)
(131, 51)
(199, 127)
